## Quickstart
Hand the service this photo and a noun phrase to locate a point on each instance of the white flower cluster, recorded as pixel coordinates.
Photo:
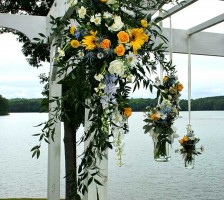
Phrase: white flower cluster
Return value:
(118, 132)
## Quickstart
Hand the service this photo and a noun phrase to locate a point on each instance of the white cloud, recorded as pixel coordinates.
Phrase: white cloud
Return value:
(17, 78)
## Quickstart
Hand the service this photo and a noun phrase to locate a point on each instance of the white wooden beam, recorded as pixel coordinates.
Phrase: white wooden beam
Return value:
(60, 8)
(206, 24)
(202, 43)
(26, 24)
(93, 188)
(178, 8)
(54, 149)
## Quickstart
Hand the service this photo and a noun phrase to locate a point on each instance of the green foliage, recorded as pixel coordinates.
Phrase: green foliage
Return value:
(201, 104)
(139, 104)
(26, 105)
(206, 103)
(4, 106)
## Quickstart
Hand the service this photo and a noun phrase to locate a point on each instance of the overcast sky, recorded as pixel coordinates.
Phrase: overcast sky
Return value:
(19, 80)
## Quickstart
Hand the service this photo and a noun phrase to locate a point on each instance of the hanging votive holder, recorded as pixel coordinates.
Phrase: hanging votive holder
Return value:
(162, 151)
(189, 161)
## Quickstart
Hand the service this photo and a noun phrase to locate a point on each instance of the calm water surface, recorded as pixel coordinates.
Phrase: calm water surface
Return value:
(141, 178)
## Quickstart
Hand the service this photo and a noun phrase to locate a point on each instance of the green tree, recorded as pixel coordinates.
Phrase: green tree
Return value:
(4, 106)
(25, 105)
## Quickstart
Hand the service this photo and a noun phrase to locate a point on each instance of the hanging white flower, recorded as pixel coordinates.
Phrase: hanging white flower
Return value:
(73, 2)
(98, 77)
(117, 25)
(116, 67)
(129, 78)
(82, 12)
(61, 52)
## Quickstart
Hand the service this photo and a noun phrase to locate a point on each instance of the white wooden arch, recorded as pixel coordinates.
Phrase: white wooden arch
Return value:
(28, 25)
(202, 43)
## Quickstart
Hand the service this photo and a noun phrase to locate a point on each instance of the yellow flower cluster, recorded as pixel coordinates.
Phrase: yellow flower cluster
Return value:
(136, 37)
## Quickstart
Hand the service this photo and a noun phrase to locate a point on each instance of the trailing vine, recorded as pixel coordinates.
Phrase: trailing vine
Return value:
(104, 48)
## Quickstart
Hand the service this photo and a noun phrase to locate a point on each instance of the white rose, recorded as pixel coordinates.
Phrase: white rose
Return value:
(116, 67)
(117, 25)
(82, 12)
(111, 2)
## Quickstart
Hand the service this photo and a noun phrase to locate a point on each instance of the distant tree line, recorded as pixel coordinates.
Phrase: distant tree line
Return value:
(4, 106)
(26, 105)
(208, 103)
(138, 104)
(201, 104)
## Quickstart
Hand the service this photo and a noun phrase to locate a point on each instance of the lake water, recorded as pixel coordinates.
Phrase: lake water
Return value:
(141, 178)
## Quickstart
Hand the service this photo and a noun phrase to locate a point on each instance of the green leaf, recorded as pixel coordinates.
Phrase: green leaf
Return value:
(46, 141)
(36, 39)
(109, 145)
(42, 35)
(38, 153)
(97, 182)
(34, 153)
(35, 148)
(36, 134)
(90, 181)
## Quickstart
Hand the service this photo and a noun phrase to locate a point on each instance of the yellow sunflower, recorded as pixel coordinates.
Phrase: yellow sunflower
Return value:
(138, 38)
(89, 41)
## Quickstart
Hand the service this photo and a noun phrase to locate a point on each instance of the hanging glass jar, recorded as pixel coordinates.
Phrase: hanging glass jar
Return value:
(162, 151)
(189, 161)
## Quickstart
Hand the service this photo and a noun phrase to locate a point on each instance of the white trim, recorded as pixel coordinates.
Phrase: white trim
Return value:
(177, 8)
(206, 24)
(26, 24)
(54, 149)
(202, 43)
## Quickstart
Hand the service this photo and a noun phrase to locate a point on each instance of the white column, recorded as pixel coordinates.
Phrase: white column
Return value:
(103, 165)
(54, 149)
